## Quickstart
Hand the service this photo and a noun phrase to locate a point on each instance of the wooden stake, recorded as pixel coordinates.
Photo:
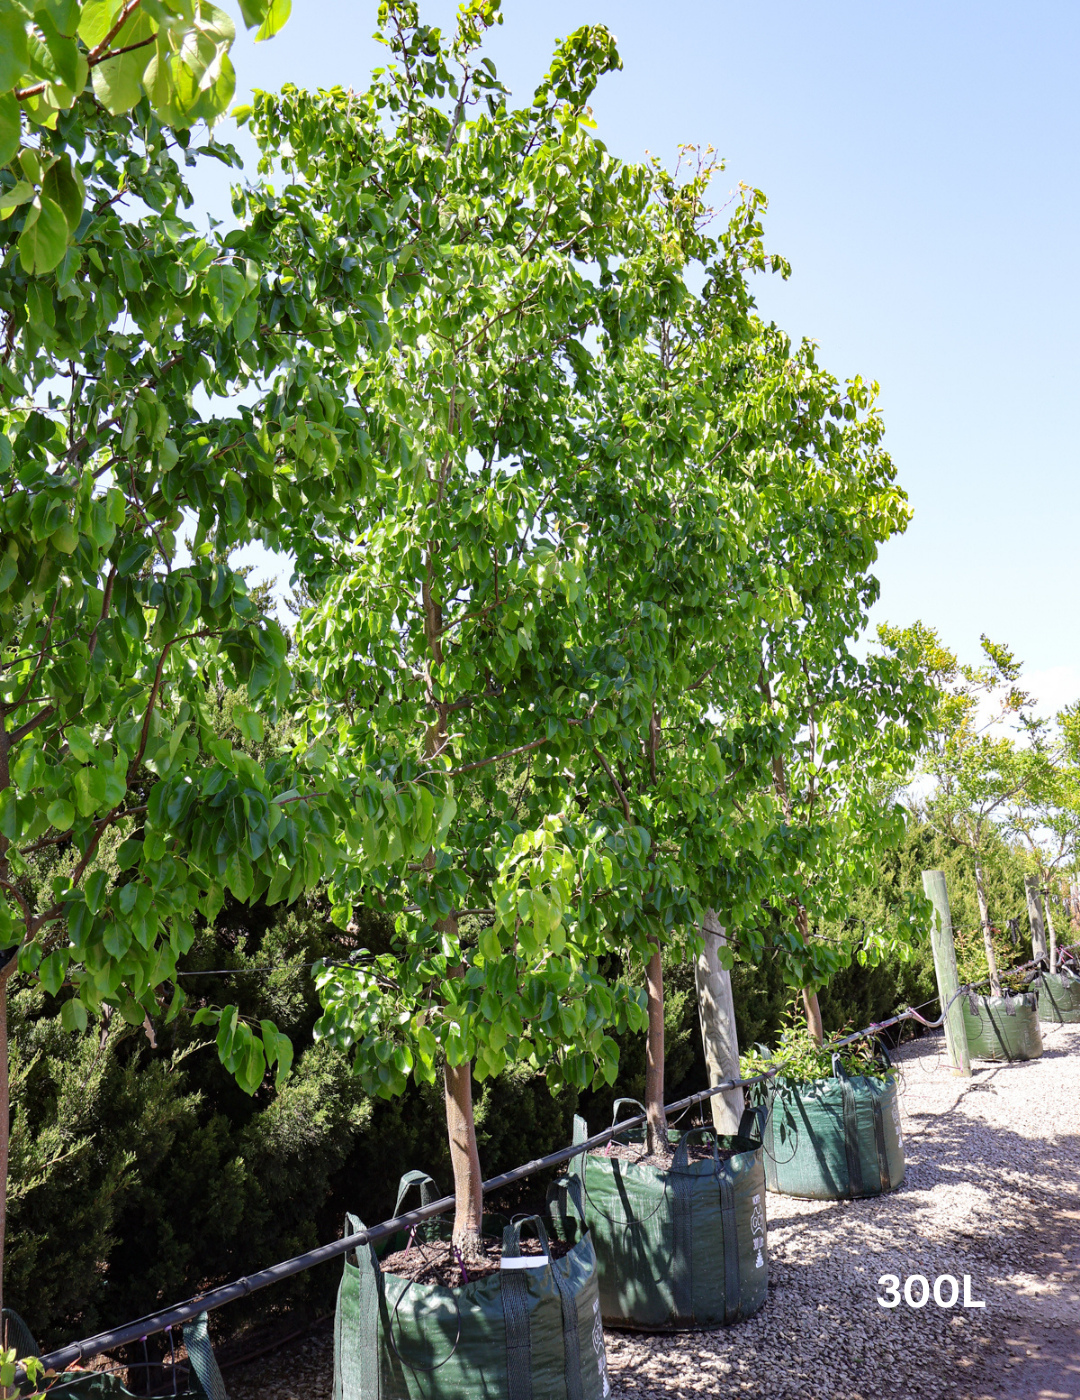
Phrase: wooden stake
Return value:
(716, 1012)
(1035, 918)
(948, 979)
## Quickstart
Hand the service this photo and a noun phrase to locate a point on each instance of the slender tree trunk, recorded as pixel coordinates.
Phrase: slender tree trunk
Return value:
(656, 1140)
(988, 941)
(813, 1016)
(465, 1159)
(810, 998)
(1047, 901)
(457, 1080)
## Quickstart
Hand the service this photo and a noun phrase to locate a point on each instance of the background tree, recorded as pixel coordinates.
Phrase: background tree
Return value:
(977, 769)
(1047, 818)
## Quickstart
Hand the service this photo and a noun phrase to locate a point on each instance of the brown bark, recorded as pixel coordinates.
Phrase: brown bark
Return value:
(809, 996)
(464, 1158)
(457, 1079)
(656, 1139)
(813, 1016)
(988, 941)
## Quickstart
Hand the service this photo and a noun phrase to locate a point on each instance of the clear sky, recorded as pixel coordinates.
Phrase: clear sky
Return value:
(921, 165)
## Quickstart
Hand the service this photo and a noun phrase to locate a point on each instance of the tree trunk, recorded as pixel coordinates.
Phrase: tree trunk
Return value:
(988, 941)
(809, 997)
(813, 1016)
(716, 1011)
(1035, 918)
(464, 1158)
(656, 1140)
(1052, 951)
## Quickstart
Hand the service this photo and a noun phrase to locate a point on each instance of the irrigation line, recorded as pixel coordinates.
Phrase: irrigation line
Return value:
(230, 1292)
(241, 1288)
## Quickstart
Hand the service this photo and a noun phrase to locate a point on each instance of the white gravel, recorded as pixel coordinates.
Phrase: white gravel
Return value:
(992, 1192)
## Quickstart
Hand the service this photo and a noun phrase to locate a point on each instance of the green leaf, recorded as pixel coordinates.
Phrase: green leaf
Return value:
(61, 814)
(11, 199)
(206, 1016)
(73, 1016)
(284, 1060)
(14, 54)
(44, 238)
(248, 722)
(118, 82)
(63, 13)
(225, 287)
(53, 56)
(10, 122)
(277, 13)
(63, 184)
(80, 743)
(252, 1068)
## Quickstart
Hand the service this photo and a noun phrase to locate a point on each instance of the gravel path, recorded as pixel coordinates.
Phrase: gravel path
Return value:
(992, 1192)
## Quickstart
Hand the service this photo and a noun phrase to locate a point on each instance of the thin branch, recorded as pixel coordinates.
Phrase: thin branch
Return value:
(96, 53)
(483, 762)
(8, 709)
(18, 895)
(615, 784)
(187, 637)
(31, 724)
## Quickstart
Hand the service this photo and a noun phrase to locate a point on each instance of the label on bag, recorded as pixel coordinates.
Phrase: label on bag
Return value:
(525, 1261)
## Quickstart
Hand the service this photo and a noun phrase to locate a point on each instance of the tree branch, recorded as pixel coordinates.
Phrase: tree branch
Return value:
(483, 762)
(615, 784)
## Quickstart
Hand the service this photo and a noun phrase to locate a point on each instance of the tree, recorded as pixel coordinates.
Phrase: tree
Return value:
(112, 645)
(536, 598)
(1047, 818)
(441, 641)
(977, 768)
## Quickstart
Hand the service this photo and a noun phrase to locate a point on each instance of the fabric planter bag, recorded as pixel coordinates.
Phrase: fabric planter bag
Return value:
(205, 1383)
(1059, 997)
(684, 1248)
(530, 1332)
(1002, 1028)
(835, 1139)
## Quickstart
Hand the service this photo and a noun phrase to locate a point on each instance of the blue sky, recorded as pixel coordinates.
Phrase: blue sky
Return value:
(921, 165)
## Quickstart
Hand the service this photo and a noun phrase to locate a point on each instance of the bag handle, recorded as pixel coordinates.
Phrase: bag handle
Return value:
(681, 1161)
(512, 1257)
(564, 1190)
(619, 1103)
(839, 1072)
(428, 1189)
(753, 1120)
(202, 1359)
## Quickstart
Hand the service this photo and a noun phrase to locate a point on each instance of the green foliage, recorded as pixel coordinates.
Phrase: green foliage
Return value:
(566, 556)
(113, 648)
(804, 1061)
(139, 1172)
(60, 61)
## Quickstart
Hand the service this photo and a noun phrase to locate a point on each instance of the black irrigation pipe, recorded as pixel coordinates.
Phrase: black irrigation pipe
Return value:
(230, 1292)
(241, 1288)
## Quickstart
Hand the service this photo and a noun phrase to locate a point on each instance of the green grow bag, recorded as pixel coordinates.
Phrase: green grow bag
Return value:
(835, 1139)
(105, 1385)
(683, 1248)
(1002, 1028)
(1059, 997)
(530, 1332)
